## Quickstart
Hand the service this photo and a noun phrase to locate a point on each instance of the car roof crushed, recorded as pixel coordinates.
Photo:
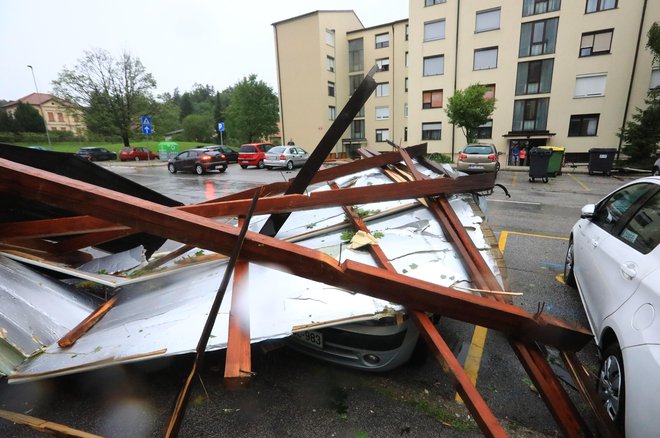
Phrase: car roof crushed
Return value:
(418, 247)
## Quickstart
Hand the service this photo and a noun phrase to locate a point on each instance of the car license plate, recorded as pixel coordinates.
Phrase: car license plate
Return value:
(474, 166)
(310, 337)
(244, 162)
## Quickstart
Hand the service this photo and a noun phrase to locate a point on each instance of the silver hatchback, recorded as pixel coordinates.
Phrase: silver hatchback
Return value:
(477, 158)
(285, 156)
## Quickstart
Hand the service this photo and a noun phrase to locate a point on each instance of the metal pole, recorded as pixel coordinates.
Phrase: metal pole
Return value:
(40, 108)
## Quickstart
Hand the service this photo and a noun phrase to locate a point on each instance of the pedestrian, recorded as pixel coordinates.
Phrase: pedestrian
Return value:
(523, 155)
(291, 143)
(515, 152)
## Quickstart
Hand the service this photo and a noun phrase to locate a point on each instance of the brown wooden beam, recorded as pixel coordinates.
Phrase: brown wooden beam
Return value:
(55, 227)
(86, 324)
(44, 426)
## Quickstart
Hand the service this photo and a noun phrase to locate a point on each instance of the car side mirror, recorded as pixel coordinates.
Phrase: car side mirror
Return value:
(587, 211)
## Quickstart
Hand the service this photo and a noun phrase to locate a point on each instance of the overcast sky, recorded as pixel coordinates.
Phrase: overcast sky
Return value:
(180, 42)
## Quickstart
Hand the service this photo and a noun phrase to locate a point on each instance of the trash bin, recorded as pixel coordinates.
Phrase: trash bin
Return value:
(556, 159)
(167, 150)
(538, 164)
(600, 160)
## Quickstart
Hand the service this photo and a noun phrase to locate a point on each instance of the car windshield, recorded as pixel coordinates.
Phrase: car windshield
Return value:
(248, 149)
(277, 150)
(478, 150)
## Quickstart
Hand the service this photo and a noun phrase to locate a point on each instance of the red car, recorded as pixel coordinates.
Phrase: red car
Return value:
(253, 154)
(136, 154)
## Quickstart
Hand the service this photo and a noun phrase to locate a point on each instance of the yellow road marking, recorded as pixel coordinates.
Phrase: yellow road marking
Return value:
(580, 182)
(476, 350)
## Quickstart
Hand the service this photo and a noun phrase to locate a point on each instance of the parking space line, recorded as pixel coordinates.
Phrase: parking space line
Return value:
(584, 186)
(476, 350)
(515, 179)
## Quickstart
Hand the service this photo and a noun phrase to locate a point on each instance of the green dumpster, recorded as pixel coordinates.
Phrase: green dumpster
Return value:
(556, 159)
(167, 150)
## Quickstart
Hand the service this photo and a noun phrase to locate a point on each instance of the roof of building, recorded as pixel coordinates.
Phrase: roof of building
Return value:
(32, 99)
(315, 13)
(403, 20)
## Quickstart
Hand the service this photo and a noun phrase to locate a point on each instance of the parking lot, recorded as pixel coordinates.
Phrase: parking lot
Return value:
(293, 395)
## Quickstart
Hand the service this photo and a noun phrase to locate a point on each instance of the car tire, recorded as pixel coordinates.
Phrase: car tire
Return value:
(611, 384)
(243, 166)
(289, 165)
(222, 170)
(269, 167)
(569, 265)
(260, 164)
(171, 168)
(545, 180)
(655, 171)
(199, 170)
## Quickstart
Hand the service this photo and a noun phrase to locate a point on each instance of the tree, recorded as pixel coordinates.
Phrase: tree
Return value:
(468, 109)
(253, 112)
(641, 135)
(198, 127)
(7, 123)
(112, 93)
(186, 106)
(28, 119)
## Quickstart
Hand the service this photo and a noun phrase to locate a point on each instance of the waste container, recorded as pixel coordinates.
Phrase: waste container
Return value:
(600, 160)
(167, 150)
(538, 164)
(556, 159)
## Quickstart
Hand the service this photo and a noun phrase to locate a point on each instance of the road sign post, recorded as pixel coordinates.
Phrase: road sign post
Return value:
(221, 128)
(147, 128)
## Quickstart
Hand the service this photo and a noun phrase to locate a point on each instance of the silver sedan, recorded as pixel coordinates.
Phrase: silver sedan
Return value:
(285, 156)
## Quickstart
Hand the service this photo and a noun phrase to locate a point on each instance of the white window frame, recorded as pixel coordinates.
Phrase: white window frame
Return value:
(434, 30)
(383, 89)
(590, 85)
(485, 59)
(382, 40)
(431, 127)
(384, 135)
(487, 20)
(332, 112)
(383, 64)
(382, 112)
(331, 64)
(429, 63)
(655, 78)
(330, 37)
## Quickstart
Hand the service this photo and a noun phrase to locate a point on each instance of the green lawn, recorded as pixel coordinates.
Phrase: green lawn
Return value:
(74, 146)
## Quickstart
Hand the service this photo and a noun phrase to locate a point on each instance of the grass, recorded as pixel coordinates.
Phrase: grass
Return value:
(73, 146)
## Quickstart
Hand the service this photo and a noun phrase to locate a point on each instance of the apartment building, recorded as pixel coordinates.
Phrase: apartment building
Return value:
(564, 73)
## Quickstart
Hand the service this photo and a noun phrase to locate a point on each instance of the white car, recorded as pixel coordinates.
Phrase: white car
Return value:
(614, 259)
(285, 156)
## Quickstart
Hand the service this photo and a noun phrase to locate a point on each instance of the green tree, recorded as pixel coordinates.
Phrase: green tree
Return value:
(253, 112)
(28, 119)
(112, 93)
(198, 127)
(165, 117)
(7, 122)
(186, 106)
(641, 135)
(468, 109)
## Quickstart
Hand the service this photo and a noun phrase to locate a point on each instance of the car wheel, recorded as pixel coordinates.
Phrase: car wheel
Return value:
(655, 171)
(269, 167)
(222, 170)
(199, 170)
(569, 265)
(137, 158)
(611, 383)
(545, 180)
(243, 166)
(260, 164)
(171, 168)
(289, 165)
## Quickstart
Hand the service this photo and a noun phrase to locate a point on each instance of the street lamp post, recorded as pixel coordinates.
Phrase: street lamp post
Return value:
(40, 108)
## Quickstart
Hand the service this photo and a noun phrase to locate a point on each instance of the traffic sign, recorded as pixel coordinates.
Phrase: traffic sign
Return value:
(146, 120)
(146, 129)
(221, 126)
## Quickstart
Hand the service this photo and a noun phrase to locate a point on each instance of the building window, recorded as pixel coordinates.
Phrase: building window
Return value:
(382, 40)
(383, 89)
(530, 114)
(600, 5)
(533, 7)
(583, 125)
(356, 55)
(60, 117)
(406, 32)
(534, 77)
(433, 2)
(383, 64)
(361, 112)
(382, 135)
(432, 131)
(354, 82)
(330, 37)
(51, 117)
(596, 43)
(485, 58)
(331, 63)
(538, 37)
(485, 130)
(357, 130)
(487, 20)
(406, 59)
(382, 112)
(655, 78)
(434, 30)
(432, 99)
(332, 112)
(405, 109)
(490, 91)
(405, 85)
(405, 133)
(434, 65)
(331, 88)
(590, 86)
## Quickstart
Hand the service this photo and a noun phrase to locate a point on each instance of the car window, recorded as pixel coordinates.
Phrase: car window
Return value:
(609, 212)
(248, 149)
(277, 150)
(478, 150)
(643, 230)
(182, 155)
(267, 147)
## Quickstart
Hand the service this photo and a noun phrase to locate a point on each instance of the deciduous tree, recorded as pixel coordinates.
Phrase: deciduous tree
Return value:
(198, 127)
(468, 109)
(28, 119)
(252, 114)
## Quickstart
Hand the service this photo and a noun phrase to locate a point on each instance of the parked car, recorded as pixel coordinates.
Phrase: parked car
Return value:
(478, 158)
(39, 148)
(136, 154)
(230, 154)
(613, 258)
(94, 153)
(198, 160)
(656, 168)
(253, 154)
(285, 156)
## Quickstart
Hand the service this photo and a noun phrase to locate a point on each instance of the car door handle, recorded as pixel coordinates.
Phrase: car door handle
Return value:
(594, 243)
(628, 270)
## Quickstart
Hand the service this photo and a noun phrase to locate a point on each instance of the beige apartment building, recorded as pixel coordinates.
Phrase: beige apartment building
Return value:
(58, 115)
(563, 73)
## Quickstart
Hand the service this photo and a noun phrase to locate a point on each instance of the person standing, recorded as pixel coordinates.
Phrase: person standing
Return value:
(523, 155)
(515, 153)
